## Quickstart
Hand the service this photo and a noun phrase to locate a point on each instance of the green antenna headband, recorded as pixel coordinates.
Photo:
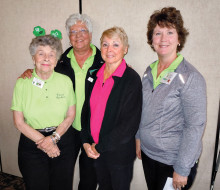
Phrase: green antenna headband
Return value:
(38, 31)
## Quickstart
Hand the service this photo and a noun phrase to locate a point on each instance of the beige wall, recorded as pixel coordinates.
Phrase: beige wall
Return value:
(17, 19)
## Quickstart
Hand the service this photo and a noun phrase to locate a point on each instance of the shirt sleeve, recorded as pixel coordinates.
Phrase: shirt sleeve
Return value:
(193, 98)
(18, 96)
(137, 136)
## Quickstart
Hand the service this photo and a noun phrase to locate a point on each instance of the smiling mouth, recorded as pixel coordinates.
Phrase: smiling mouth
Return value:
(109, 56)
(79, 40)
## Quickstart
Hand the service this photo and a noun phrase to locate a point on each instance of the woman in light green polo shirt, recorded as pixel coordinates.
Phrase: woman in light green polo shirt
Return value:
(43, 109)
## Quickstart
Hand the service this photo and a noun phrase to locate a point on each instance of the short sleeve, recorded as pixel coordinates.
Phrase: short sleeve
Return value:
(18, 96)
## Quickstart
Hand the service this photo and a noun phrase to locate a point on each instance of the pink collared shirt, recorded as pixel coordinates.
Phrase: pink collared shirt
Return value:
(99, 98)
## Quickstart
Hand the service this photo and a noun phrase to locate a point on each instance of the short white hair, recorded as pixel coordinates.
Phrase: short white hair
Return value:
(74, 18)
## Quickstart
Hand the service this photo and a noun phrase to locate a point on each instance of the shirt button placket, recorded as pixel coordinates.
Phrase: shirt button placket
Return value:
(46, 91)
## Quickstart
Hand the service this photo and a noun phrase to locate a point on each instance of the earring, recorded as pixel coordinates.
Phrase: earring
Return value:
(178, 44)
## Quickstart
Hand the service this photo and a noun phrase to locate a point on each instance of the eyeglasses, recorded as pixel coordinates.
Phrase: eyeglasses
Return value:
(81, 31)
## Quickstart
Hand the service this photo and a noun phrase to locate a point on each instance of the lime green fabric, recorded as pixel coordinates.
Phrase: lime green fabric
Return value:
(46, 106)
(80, 76)
(171, 68)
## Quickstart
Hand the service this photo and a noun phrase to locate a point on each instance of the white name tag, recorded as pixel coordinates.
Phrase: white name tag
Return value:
(90, 79)
(37, 82)
(168, 78)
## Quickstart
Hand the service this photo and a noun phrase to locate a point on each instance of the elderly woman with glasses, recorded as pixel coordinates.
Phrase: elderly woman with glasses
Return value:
(43, 109)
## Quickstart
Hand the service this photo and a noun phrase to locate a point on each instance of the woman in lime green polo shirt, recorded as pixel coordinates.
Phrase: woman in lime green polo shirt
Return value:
(43, 109)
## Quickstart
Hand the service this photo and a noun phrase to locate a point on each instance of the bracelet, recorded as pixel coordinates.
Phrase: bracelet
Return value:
(57, 135)
(52, 137)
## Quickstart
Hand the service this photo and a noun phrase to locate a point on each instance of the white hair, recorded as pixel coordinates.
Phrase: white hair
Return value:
(74, 18)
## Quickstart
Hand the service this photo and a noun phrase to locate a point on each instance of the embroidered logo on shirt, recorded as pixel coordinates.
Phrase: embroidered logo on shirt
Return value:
(60, 96)
(92, 71)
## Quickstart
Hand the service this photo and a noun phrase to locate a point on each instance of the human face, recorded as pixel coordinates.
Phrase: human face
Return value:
(165, 41)
(80, 37)
(45, 60)
(113, 50)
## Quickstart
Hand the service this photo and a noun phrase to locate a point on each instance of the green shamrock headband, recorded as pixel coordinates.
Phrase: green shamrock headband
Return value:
(38, 31)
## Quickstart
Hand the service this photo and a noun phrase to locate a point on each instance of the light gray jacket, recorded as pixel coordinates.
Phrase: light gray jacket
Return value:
(173, 118)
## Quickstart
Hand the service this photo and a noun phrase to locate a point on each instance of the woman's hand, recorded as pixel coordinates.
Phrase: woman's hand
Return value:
(27, 74)
(94, 150)
(54, 152)
(90, 151)
(45, 144)
(179, 181)
(138, 148)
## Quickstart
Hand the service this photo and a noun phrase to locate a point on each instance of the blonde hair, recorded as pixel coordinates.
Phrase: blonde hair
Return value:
(116, 31)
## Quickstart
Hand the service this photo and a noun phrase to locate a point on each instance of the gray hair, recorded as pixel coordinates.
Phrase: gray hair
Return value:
(74, 18)
(47, 40)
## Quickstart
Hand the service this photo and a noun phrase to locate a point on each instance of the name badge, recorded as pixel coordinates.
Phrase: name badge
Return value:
(37, 82)
(90, 79)
(167, 79)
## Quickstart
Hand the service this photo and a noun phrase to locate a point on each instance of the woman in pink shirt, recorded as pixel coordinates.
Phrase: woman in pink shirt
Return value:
(111, 114)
